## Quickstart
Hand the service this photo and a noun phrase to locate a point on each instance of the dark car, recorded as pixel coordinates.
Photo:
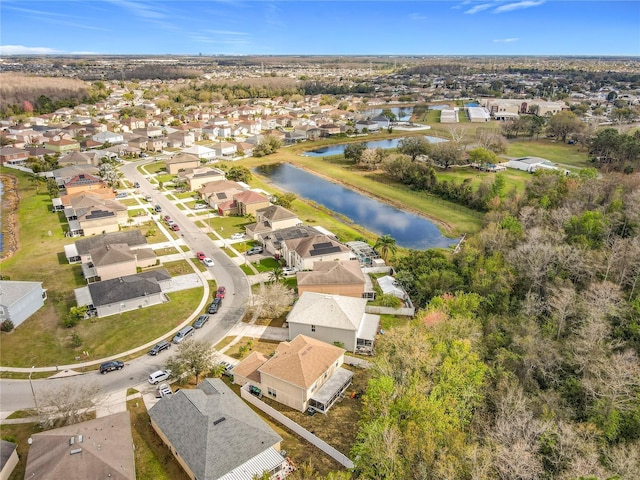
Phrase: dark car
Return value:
(110, 366)
(215, 305)
(199, 323)
(160, 346)
(136, 185)
(221, 292)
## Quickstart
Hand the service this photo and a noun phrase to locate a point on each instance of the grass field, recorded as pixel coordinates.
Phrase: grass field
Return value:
(561, 153)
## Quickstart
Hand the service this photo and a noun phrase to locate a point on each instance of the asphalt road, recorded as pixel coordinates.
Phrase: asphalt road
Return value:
(18, 394)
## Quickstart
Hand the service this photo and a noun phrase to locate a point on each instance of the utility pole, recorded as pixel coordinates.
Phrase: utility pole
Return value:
(33, 392)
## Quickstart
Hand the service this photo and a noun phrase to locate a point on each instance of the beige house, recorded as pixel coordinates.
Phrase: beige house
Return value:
(244, 203)
(84, 182)
(116, 260)
(271, 218)
(182, 161)
(197, 177)
(334, 318)
(62, 145)
(303, 373)
(8, 459)
(220, 191)
(336, 278)
(100, 448)
(302, 253)
(91, 215)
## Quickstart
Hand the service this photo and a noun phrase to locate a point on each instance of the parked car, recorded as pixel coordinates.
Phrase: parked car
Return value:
(166, 218)
(144, 155)
(200, 255)
(110, 366)
(175, 227)
(160, 346)
(221, 292)
(183, 333)
(136, 185)
(208, 262)
(215, 306)
(199, 323)
(288, 271)
(159, 376)
(158, 208)
(227, 368)
(254, 250)
(121, 195)
(200, 206)
(163, 390)
(237, 236)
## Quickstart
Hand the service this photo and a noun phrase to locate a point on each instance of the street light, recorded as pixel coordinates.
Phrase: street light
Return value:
(32, 390)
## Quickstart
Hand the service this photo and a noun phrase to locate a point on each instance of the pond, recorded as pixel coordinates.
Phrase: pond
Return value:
(338, 149)
(403, 114)
(409, 230)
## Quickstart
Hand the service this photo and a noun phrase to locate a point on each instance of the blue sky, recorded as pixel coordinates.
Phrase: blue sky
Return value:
(229, 27)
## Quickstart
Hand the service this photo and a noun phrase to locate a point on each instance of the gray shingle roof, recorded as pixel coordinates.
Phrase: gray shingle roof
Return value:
(128, 287)
(212, 429)
(130, 237)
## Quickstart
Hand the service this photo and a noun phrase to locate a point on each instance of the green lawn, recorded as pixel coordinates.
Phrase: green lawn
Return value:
(154, 167)
(42, 340)
(561, 153)
(514, 179)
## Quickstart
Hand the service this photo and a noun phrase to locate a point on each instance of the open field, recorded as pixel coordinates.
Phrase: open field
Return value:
(557, 152)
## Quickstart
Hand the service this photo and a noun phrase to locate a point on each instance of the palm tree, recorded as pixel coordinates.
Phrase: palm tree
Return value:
(276, 274)
(386, 244)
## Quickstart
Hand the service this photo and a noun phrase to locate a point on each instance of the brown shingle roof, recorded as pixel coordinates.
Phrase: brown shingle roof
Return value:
(301, 361)
(248, 368)
(333, 273)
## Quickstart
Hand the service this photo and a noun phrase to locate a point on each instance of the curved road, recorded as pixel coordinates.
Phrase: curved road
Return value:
(19, 394)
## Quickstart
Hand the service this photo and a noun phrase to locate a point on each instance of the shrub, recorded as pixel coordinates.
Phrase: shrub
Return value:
(6, 325)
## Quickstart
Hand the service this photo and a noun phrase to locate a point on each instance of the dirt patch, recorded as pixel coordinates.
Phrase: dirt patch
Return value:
(10, 226)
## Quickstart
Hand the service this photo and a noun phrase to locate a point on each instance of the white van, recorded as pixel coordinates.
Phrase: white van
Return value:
(159, 376)
(184, 333)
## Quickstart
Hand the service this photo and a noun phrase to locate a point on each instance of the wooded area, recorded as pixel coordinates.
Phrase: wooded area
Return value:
(523, 362)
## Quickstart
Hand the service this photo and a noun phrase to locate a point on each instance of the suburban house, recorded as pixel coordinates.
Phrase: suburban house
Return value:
(246, 202)
(19, 300)
(108, 137)
(273, 217)
(62, 145)
(220, 191)
(200, 151)
(302, 253)
(8, 458)
(116, 260)
(302, 373)
(197, 177)
(79, 158)
(83, 182)
(90, 215)
(123, 294)
(334, 318)
(100, 448)
(150, 131)
(310, 132)
(335, 278)
(13, 156)
(180, 139)
(214, 435)
(79, 251)
(224, 149)
(64, 174)
(182, 161)
(368, 125)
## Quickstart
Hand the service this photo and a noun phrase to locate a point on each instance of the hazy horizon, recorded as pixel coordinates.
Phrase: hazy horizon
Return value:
(593, 28)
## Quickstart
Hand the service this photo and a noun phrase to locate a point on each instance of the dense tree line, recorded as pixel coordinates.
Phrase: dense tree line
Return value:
(522, 362)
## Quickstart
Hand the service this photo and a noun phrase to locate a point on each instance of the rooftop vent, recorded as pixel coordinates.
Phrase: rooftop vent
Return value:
(220, 420)
(75, 450)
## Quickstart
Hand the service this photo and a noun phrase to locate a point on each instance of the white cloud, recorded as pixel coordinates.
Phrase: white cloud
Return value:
(417, 17)
(509, 7)
(480, 8)
(141, 9)
(22, 50)
(505, 40)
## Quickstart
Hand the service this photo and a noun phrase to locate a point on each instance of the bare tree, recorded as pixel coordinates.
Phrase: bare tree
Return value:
(67, 405)
(193, 357)
(272, 301)
(563, 303)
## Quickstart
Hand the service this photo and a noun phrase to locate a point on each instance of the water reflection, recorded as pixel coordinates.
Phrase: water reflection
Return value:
(338, 149)
(409, 230)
